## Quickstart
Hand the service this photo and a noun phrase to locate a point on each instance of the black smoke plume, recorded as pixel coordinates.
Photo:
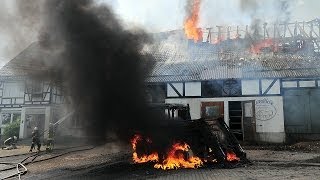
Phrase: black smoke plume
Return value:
(101, 65)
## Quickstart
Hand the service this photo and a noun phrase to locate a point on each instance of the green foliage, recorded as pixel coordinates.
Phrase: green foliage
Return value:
(12, 129)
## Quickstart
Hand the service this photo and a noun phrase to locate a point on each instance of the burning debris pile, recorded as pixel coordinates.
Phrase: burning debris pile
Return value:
(195, 144)
(174, 159)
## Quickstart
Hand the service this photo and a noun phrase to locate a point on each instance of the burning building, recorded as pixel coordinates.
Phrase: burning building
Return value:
(261, 86)
(262, 97)
(244, 77)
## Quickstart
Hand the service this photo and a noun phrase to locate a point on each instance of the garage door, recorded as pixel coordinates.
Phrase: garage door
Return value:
(301, 111)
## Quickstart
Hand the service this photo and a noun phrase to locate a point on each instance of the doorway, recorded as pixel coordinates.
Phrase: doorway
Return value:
(34, 120)
(242, 120)
(235, 119)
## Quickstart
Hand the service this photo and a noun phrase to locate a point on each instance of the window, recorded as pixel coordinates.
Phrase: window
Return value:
(34, 87)
(212, 112)
(6, 118)
(13, 89)
(9, 117)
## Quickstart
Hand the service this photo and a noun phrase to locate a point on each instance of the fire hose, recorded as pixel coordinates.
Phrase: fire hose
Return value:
(60, 121)
(24, 162)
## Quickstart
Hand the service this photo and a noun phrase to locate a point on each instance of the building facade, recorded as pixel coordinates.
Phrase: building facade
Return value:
(273, 99)
(31, 102)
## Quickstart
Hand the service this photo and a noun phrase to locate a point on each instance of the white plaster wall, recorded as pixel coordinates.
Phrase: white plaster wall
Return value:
(275, 89)
(307, 83)
(171, 92)
(267, 122)
(289, 84)
(193, 89)
(250, 87)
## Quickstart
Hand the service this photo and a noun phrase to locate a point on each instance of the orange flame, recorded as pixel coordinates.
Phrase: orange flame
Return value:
(231, 156)
(190, 25)
(256, 48)
(176, 159)
(153, 157)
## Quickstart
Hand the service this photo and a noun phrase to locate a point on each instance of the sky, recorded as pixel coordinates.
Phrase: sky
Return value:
(157, 15)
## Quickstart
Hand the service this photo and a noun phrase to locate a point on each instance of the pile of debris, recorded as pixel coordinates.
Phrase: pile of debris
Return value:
(197, 143)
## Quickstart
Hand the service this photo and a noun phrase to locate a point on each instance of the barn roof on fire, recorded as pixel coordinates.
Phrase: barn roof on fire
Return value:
(239, 68)
(173, 65)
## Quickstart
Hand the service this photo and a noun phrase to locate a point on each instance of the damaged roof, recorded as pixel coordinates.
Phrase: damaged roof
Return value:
(238, 68)
(174, 66)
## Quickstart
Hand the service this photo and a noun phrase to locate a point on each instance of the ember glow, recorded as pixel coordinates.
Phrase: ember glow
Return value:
(231, 156)
(190, 25)
(176, 157)
(266, 43)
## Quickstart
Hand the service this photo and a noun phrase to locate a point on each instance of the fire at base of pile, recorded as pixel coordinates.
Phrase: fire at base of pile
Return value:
(179, 155)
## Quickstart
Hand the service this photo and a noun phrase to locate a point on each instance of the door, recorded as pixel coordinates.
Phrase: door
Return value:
(301, 110)
(212, 110)
(296, 111)
(314, 123)
(248, 120)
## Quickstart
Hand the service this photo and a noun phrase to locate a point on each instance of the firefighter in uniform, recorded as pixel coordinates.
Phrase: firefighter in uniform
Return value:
(50, 140)
(35, 139)
(10, 143)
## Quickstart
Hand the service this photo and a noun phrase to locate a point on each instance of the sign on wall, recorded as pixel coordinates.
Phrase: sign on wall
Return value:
(265, 109)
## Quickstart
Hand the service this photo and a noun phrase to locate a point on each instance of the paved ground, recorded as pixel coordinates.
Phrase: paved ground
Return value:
(109, 161)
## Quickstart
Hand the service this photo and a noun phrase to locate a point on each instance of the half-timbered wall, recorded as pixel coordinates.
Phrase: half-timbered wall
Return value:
(224, 88)
(15, 93)
(261, 87)
(37, 92)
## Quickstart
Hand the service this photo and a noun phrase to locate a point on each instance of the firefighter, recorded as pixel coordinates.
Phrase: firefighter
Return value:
(10, 143)
(50, 140)
(35, 139)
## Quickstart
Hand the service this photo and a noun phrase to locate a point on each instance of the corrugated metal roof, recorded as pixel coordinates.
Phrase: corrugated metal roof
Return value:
(263, 67)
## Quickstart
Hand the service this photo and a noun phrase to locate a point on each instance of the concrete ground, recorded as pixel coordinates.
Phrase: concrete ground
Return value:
(112, 161)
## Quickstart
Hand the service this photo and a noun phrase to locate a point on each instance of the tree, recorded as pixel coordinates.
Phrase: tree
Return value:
(12, 129)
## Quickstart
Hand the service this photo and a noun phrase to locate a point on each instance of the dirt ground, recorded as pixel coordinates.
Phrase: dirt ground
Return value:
(112, 161)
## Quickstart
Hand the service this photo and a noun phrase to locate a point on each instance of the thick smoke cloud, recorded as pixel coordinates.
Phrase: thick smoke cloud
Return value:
(101, 66)
(258, 11)
(19, 22)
